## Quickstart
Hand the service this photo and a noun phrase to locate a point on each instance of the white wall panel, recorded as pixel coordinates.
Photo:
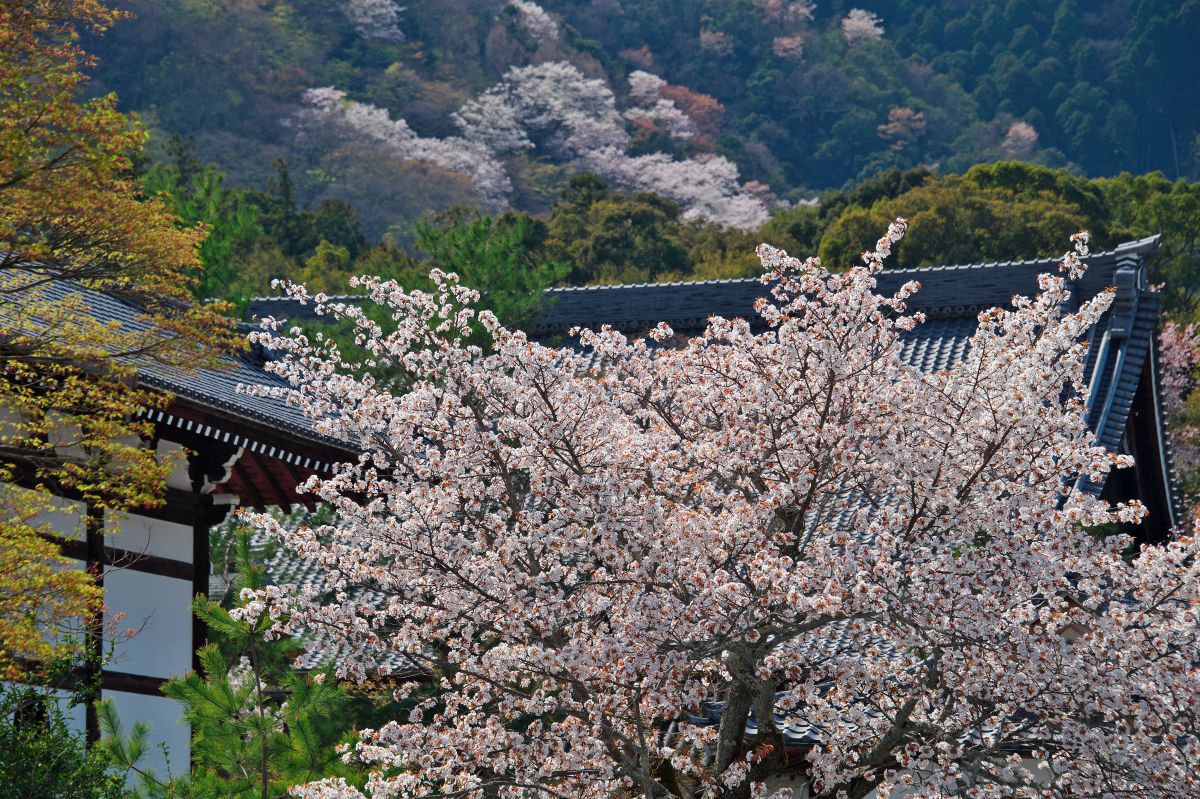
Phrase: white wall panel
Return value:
(159, 610)
(149, 536)
(165, 717)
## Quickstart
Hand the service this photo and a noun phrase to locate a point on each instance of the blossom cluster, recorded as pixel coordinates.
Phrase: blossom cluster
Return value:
(327, 109)
(861, 26)
(537, 23)
(553, 106)
(1180, 347)
(785, 516)
(645, 91)
(376, 19)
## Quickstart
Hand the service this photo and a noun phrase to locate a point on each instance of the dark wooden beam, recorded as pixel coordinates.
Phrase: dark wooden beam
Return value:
(125, 559)
(256, 499)
(283, 497)
(131, 683)
(108, 679)
(178, 506)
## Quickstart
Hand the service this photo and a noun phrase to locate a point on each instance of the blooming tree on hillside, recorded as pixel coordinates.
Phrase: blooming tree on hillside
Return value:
(1180, 355)
(537, 23)
(861, 26)
(552, 106)
(1180, 350)
(546, 100)
(327, 110)
(645, 92)
(553, 109)
(1020, 141)
(376, 19)
(792, 520)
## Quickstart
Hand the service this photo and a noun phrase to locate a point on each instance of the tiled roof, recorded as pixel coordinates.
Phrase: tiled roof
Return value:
(212, 388)
(284, 567)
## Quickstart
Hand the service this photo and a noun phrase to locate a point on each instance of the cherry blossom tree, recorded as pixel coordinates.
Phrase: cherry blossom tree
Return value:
(537, 23)
(715, 42)
(706, 187)
(904, 126)
(1180, 355)
(1020, 141)
(547, 100)
(553, 107)
(775, 12)
(550, 107)
(376, 19)
(785, 517)
(789, 48)
(328, 111)
(861, 26)
(645, 92)
(1180, 349)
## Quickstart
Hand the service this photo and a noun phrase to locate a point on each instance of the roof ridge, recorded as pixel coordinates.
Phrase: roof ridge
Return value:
(1142, 246)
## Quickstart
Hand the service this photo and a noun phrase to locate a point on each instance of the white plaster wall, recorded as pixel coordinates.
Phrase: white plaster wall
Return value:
(159, 610)
(148, 536)
(165, 718)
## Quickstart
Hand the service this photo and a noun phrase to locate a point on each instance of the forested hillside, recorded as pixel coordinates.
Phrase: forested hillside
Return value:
(727, 108)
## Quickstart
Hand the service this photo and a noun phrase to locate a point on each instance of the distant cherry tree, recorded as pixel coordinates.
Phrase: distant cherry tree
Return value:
(585, 548)
(1181, 356)
(552, 107)
(645, 92)
(1020, 141)
(861, 26)
(536, 22)
(327, 111)
(376, 19)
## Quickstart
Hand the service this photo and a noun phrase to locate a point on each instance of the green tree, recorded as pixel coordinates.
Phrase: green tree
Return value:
(328, 269)
(71, 215)
(973, 217)
(298, 232)
(615, 238)
(505, 258)
(199, 198)
(1143, 205)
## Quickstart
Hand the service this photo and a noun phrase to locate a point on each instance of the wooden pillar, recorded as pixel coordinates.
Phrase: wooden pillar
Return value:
(201, 558)
(93, 650)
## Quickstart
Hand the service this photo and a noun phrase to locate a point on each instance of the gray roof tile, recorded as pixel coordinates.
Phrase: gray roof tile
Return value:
(214, 388)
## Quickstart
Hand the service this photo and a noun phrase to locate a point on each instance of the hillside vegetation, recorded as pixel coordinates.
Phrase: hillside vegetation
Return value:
(728, 108)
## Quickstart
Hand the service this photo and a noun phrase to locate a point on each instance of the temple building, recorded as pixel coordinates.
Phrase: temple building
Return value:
(239, 450)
